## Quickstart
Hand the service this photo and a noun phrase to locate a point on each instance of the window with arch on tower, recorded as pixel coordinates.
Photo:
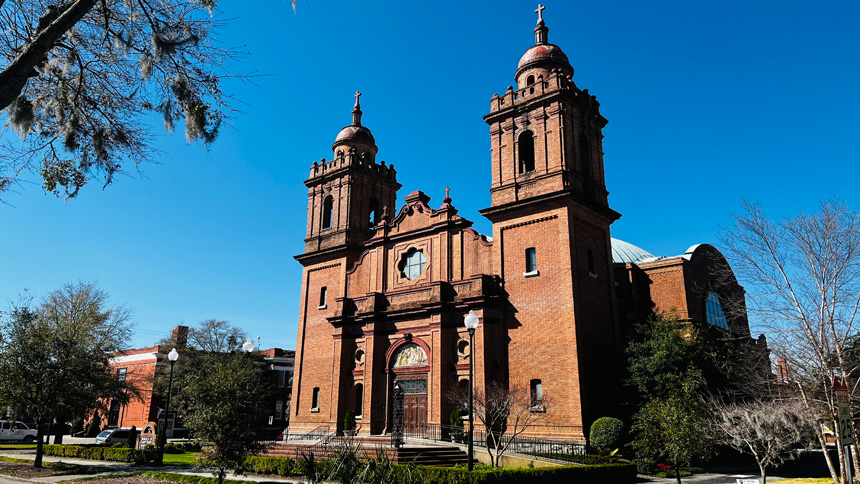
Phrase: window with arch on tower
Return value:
(374, 212)
(328, 207)
(530, 83)
(526, 146)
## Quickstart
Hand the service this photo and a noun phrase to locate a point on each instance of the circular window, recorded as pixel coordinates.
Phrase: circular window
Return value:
(413, 264)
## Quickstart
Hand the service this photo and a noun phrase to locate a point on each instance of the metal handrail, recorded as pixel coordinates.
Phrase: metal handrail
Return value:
(520, 443)
(318, 432)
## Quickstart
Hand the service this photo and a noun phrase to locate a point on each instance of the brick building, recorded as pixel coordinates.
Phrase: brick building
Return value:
(385, 291)
(140, 366)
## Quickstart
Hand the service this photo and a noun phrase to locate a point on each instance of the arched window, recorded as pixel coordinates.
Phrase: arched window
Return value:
(526, 143)
(315, 398)
(359, 399)
(464, 386)
(374, 212)
(585, 160)
(714, 312)
(328, 205)
(590, 255)
(530, 80)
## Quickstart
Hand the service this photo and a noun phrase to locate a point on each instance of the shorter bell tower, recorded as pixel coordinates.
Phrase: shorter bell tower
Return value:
(347, 195)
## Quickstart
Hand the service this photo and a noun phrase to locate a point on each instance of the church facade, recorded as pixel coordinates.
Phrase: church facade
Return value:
(385, 291)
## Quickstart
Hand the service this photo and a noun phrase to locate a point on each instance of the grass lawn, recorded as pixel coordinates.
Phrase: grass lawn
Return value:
(179, 459)
(808, 480)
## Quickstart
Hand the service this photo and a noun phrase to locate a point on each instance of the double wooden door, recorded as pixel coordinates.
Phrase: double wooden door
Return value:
(414, 413)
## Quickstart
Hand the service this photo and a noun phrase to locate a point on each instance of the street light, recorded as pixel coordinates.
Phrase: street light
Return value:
(471, 322)
(172, 357)
(247, 346)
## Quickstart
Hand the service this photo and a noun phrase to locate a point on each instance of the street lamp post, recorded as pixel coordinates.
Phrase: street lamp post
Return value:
(471, 322)
(172, 357)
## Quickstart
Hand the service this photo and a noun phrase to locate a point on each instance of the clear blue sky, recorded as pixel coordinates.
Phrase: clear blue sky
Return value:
(708, 104)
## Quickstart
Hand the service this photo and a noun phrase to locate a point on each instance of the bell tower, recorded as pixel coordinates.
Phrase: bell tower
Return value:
(547, 134)
(347, 195)
(551, 239)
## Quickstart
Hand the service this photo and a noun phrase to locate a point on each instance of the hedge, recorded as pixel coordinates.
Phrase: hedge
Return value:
(581, 474)
(123, 454)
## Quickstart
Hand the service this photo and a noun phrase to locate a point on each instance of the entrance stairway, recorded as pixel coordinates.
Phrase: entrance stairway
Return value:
(425, 455)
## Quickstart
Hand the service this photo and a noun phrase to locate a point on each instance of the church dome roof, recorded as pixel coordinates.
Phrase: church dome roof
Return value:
(355, 133)
(625, 252)
(543, 53)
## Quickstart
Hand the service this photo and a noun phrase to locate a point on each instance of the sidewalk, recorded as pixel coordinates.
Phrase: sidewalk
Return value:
(122, 467)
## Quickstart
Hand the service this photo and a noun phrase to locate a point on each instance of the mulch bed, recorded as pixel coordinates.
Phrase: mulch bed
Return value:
(124, 480)
(25, 471)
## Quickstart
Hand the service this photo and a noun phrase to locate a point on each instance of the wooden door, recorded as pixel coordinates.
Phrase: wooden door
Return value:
(414, 413)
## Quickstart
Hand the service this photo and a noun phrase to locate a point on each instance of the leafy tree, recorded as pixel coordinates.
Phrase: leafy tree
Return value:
(771, 431)
(54, 358)
(802, 274)
(673, 429)
(78, 76)
(665, 364)
(222, 397)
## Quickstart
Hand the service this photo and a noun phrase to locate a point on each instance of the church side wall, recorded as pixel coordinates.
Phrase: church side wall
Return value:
(316, 348)
(540, 320)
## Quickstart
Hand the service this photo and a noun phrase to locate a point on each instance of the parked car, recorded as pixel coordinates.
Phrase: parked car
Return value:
(112, 436)
(10, 430)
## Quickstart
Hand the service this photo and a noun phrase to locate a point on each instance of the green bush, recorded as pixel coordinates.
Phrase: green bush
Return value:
(606, 433)
(186, 479)
(119, 445)
(95, 426)
(349, 420)
(173, 449)
(282, 466)
(456, 418)
(114, 454)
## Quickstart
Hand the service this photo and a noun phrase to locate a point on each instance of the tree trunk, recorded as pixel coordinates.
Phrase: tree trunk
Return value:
(40, 434)
(54, 24)
(763, 474)
(678, 474)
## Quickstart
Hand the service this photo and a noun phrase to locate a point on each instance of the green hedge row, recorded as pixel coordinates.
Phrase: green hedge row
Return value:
(114, 454)
(578, 458)
(581, 474)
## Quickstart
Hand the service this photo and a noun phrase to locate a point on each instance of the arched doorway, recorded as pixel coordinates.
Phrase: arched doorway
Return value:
(410, 368)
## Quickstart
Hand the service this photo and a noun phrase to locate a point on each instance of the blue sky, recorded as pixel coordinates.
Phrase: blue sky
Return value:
(708, 104)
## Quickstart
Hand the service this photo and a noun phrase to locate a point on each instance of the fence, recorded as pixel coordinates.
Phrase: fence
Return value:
(520, 443)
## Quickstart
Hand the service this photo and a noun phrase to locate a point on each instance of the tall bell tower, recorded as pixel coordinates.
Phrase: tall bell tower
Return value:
(347, 195)
(551, 238)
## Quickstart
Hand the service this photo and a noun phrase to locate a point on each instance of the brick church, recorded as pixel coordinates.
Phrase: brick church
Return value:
(385, 288)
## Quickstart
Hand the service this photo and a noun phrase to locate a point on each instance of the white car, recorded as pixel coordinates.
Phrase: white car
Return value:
(10, 430)
(112, 436)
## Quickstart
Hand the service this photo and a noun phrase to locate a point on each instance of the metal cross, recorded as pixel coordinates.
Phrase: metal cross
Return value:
(447, 195)
(357, 95)
(539, 11)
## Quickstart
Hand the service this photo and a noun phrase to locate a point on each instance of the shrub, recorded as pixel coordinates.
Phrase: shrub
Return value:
(349, 420)
(173, 449)
(115, 454)
(456, 418)
(606, 433)
(119, 445)
(95, 426)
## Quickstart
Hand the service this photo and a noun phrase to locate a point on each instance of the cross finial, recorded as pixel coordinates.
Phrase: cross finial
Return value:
(539, 11)
(447, 191)
(357, 95)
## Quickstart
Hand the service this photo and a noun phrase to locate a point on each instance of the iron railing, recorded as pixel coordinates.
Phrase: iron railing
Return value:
(520, 443)
(318, 433)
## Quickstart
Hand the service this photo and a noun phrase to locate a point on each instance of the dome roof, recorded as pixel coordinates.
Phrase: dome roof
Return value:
(549, 53)
(625, 252)
(355, 133)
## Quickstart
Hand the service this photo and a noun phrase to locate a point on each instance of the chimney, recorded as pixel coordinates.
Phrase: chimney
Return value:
(180, 336)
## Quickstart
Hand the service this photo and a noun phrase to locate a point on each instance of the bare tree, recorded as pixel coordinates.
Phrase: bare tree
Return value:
(77, 77)
(505, 413)
(772, 432)
(803, 278)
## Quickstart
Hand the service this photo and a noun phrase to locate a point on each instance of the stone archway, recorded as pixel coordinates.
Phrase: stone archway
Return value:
(410, 367)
